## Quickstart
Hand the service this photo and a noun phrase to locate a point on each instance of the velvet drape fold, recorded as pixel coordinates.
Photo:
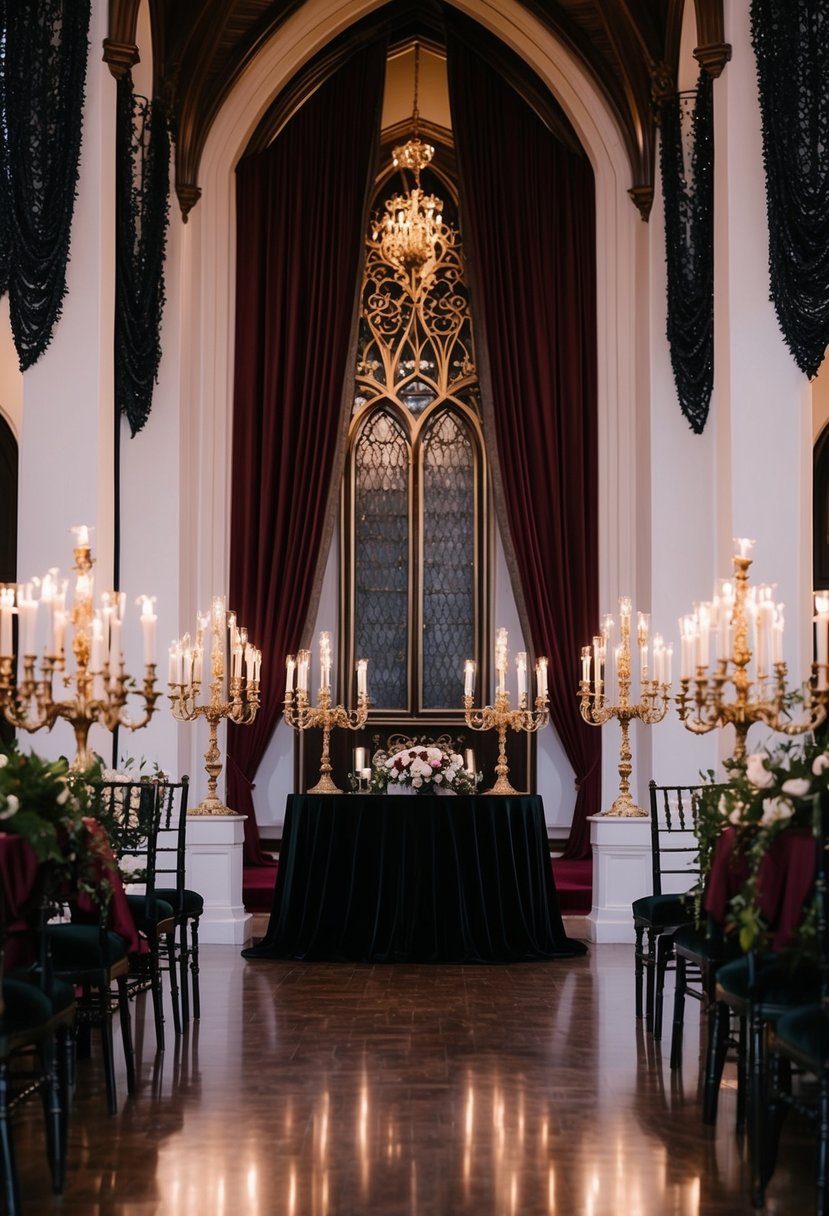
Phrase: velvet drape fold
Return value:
(528, 217)
(301, 210)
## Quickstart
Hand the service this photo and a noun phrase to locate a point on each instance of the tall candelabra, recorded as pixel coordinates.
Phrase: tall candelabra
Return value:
(301, 715)
(736, 611)
(98, 688)
(501, 716)
(236, 698)
(597, 708)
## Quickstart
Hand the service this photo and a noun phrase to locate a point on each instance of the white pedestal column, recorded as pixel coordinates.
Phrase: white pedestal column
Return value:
(621, 873)
(214, 869)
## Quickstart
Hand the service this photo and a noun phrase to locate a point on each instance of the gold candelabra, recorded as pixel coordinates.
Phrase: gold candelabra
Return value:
(501, 716)
(654, 697)
(737, 610)
(236, 699)
(98, 688)
(301, 715)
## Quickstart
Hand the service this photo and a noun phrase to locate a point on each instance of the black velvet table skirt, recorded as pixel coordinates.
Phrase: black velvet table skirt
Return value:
(422, 879)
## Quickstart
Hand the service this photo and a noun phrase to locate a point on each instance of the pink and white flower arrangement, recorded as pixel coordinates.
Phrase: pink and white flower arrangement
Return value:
(426, 769)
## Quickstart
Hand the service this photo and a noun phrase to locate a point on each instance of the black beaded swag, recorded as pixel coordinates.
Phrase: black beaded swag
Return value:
(687, 164)
(142, 213)
(791, 44)
(42, 79)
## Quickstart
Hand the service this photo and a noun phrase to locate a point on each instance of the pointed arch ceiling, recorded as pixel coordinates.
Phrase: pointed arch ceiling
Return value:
(630, 48)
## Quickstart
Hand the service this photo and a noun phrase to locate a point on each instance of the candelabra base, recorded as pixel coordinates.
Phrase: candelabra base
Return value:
(625, 808)
(211, 806)
(503, 786)
(325, 786)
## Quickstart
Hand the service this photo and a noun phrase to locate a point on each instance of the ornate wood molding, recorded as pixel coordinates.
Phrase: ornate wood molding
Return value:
(120, 48)
(713, 57)
(188, 195)
(643, 199)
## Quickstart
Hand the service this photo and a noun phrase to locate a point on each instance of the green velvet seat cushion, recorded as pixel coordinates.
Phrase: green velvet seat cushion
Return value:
(28, 1011)
(780, 981)
(705, 943)
(59, 994)
(192, 902)
(149, 913)
(806, 1031)
(663, 910)
(83, 947)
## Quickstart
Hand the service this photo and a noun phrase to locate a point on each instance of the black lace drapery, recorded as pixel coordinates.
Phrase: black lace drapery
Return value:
(791, 43)
(688, 192)
(142, 211)
(43, 69)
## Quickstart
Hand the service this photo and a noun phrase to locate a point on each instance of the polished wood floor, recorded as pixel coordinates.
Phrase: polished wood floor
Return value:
(331, 1090)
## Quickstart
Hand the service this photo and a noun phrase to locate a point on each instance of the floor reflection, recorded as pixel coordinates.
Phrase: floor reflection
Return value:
(336, 1091)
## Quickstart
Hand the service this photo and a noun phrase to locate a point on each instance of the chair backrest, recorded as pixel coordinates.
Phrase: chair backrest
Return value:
(131, 813)
(170, 856)
(674, 847)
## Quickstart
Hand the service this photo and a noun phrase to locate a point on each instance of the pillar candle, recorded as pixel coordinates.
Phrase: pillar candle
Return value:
(148, 622)
(359, 759)
(521, 674)
(362, 677)
(469, 761)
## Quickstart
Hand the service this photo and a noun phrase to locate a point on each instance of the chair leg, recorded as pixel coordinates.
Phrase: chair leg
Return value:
(679, 1013)
(52, 1115)
(664, 953)
(170, 939)
(184, 980)
(823, 1145)
(11, 1189)
(125, 1018)
(756, 1100)
(640, 968)
(194, 967)
(108, 1050)
(158, 1004)
(650, 975)
(66, 1073)
(714, 1061)
(743, 1080)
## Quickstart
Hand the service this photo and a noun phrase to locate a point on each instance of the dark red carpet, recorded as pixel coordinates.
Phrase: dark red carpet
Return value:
(574, 883)
(257, 887)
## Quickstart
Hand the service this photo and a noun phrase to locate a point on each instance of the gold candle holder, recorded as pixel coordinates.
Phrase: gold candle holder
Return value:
(702, 699)
(99, 687)
(650, 708)
(301, 715)
(501, 716)
(239, 706)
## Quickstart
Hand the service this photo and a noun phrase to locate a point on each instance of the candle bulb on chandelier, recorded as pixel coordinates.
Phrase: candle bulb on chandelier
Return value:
(290, 668)
(585, 664)
(541, 678)
(521, 675)
(468, 678)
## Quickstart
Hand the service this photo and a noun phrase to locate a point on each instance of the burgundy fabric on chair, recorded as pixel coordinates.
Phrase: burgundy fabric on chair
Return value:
(301, 209)
(528, 206)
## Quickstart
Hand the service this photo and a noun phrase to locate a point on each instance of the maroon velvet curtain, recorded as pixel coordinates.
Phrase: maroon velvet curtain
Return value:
(528, 209)
(301, 210)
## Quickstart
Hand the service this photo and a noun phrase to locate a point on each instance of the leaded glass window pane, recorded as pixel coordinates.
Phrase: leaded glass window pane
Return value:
(448, 560)
(381, 546)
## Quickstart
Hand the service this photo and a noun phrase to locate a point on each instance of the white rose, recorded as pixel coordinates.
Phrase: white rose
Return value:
(12, 807)
(438, 777)
(62, 796)
(820, 763)
(3, 760)
(757, 772)
(798, 787)
(417, 782)
(725, 808)
(775, 809)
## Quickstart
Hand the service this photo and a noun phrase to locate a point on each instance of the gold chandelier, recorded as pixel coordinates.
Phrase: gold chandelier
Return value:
(412, 227)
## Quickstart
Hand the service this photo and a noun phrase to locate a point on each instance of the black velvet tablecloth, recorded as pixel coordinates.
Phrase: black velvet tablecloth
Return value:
(422, 879)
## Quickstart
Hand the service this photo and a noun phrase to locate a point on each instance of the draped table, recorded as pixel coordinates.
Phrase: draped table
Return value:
(369, 878)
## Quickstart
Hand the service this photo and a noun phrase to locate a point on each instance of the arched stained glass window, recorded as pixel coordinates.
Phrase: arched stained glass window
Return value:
(414, 572)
